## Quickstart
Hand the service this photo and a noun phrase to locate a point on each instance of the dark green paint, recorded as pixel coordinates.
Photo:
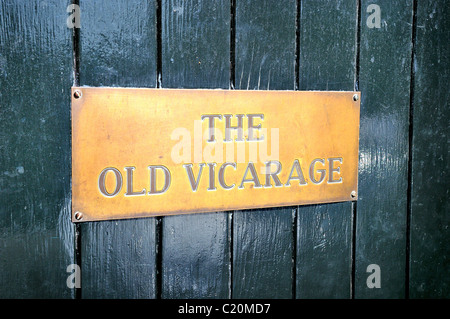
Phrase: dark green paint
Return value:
(327, 62)
(327, 45)
(323, 254)
(118, 259)
(36, 235)
(118, 43)
(430, 211)
(195, 54)
(196, 256)
(265, 45)
(385, 61)
(195, 44)
(118, 48)
(262, 251)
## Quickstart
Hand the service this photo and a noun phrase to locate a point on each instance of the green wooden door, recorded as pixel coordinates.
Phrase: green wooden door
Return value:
(390, 243)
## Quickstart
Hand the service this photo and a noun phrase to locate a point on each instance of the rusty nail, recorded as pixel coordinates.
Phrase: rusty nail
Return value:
(77, 94)
(355, 97)
(78, 215)
(353, 194)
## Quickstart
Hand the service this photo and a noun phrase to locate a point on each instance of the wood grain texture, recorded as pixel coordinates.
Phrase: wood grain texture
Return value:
(196, 256)
(385, 60)
(118, 48)
(195, 54)
(36, 235)
(327, 45)
(323, 254)
(262, 251)
(118, 259)
(263, 239)
(430, 211)
(327, 62)
(195, 44)
(118, 43)
(265, 45)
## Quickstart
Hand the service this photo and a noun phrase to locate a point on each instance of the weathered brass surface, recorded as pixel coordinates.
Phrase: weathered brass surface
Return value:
(152, 152)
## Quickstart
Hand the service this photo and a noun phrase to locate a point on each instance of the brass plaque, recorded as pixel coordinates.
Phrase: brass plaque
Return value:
(153, 152)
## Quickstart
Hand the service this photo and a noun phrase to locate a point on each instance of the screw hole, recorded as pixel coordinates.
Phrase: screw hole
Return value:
(78, 215)
(77, 94)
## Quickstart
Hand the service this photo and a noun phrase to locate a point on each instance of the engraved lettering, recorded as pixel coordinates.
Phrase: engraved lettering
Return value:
(252, 127)
(332, 169)
(102, 182)
(211, 126)
(167, 179)
(274, 176)
(254, 179)
(193, 182)
(130, 191)
(299, 177)
(239, 128)
(222, 177)
(312, 171)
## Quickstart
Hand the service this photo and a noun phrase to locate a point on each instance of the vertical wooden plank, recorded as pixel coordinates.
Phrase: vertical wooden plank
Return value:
(324, 237)
(118, 259)
(265, 45)
(195, 54)
(327, 45)
(118, 48)
(430, 218)
(195, 43)
(327, 62)
(196, 257)
(262, 250)
(385, 60)
(263, 239)
(36, 235)
(118, 43)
